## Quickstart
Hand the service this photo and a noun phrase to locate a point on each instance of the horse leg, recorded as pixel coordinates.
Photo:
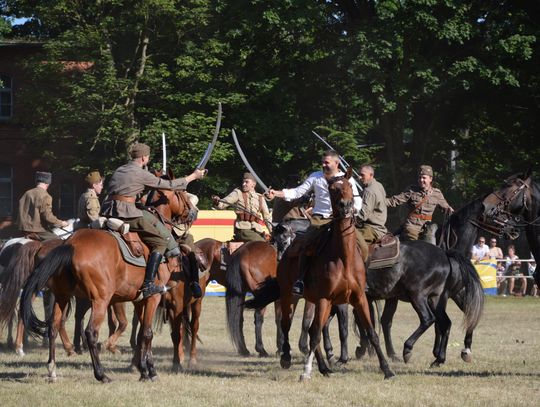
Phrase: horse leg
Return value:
(68, 346)
(196, 309)
(134, 324)
(286, 317)
(365, 346)
(82, 305)
(390, 307)
(135, 339)
(19, 337)
(119, 310)
(307, 319)
(443, 325)
(343, 325)
(279, 331)
(97, 316)
(147, 360)
(259, 345)
(175, 318)
(361, 306)
(466, 352)
(48, 309)
(327, 342)
(427, 319)
(55, 322)
(322, 312)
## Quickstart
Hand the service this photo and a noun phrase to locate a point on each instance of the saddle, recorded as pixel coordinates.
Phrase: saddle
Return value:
(384, 252)
(227, 249)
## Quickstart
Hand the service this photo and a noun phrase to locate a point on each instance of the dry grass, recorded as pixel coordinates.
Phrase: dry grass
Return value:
(505, 369)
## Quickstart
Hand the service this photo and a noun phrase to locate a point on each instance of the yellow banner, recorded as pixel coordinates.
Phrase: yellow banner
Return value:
(487, 270)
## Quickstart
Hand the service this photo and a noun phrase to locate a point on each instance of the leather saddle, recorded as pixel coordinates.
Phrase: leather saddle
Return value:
(383, 253)
(227, 249)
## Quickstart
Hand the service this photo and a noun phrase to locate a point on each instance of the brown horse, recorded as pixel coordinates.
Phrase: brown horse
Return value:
(338, 276)
(90, 265)
(243, 271)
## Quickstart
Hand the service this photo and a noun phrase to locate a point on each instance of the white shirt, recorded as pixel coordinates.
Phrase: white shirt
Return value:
(317, 183)
(479, 253)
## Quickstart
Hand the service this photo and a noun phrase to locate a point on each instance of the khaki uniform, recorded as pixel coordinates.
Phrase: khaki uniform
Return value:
(421, 206)
(35, 214)
(246, 227)
(374, 212)
(88, 207)
(125, 185)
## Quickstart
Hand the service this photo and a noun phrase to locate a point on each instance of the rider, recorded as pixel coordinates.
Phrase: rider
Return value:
(89, 207)
(125, 185)
(35, 210)
(250, 208)
(322, 210)
(422, 199)
(372, 216)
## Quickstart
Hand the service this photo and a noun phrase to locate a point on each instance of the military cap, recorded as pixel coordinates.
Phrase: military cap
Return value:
(44, 177)
(139, 150)
(93, 177)
(248, 175)
(426, 170)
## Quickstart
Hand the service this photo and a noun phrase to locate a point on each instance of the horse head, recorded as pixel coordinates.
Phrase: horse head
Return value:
(341, 196)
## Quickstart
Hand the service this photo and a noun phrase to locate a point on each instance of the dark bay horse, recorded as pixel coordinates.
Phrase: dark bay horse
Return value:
(337, 277)
(517, 202)
(90, 265)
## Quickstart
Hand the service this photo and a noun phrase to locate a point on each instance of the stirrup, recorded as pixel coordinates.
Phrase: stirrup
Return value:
(196, 290)
(151, 289)
(298, 288)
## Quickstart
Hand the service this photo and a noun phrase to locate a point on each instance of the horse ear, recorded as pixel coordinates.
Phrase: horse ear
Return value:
(348, 174)
(527, 173)
(158, 173)
(170, 173)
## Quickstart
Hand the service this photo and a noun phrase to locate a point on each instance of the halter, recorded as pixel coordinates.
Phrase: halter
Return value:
(183, 218)
(345, 208)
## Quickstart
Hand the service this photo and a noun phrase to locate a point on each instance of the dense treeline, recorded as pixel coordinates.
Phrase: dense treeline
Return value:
(452, 83)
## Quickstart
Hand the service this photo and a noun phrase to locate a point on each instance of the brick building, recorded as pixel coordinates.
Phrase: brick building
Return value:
(18, 158)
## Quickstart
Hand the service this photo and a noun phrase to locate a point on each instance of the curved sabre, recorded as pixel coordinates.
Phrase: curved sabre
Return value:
(210, 148)
(246, 163)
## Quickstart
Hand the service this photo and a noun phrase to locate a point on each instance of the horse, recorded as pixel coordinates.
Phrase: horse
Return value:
(338, 276)
(516, 204)
(90, 265)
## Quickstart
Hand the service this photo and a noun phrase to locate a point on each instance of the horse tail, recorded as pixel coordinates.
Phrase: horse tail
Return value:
(471, 290)
(21, 263)
(160, 316)
(267, 293)
(58, 260)
(234, 299)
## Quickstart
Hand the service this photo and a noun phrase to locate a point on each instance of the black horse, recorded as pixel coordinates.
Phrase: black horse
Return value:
(517, 203)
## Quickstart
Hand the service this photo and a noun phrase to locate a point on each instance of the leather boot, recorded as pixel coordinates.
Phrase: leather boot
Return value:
(298, 286)
(149, 288)
(196, 290)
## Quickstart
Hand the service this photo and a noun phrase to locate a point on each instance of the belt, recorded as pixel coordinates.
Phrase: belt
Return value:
(123, 198)
(420, 216)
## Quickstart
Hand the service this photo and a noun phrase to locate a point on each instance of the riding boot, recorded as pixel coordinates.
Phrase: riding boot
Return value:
(298, 286)
(149, 288)
(196, 290)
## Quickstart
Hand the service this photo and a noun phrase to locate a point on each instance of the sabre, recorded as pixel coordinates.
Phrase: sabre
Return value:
(342, 162)
(164, 149)
(210, 148)
(246, 163)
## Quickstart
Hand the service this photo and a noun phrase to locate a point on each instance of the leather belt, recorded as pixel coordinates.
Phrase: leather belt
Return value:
(420, 216)
(123, 198)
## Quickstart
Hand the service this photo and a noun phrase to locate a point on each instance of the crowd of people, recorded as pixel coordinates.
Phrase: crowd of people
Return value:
(128, 182)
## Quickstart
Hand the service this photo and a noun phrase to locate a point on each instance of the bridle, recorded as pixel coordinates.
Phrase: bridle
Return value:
(182, 218)
(345, 207)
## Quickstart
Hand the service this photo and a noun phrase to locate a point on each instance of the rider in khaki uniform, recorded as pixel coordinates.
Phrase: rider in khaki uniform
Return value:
(88, 207)
(125, 186)
(246, 227)
(422, 201)
(35, 210)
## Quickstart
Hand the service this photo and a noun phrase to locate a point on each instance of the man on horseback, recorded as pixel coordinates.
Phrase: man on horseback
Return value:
(422, 199)
(35, 210)
(125, 186)
(372, 216)
(88, 207)
(317, 183)
(250, 208)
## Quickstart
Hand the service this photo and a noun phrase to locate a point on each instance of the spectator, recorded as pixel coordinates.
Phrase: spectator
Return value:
(513, 270)
(531, 268)
(496, 253)
(480, 251)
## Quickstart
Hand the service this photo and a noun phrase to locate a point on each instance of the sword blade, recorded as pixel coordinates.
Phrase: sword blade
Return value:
(210, 148)
(246, 163)
(342, 162)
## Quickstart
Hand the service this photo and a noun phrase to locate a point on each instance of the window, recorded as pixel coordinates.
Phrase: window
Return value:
(6, 105)
(67, 208)
(6, 190)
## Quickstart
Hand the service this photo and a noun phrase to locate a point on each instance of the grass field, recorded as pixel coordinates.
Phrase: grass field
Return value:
(505, 370)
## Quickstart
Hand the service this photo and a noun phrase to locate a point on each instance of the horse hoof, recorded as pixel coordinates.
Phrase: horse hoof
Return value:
(154, 378)
(342, 361)
(20, 352)
(394, 358)
(263, 353)
(407, 356)
(285, 362)
(389, 375)
(332, 360)
(304, 377)
(360, 352)
(304, 351)
(244, 353)
(52, 379)
(435, 363)
(466, 355)
(70, 353)
(192, 364)
(105, 379)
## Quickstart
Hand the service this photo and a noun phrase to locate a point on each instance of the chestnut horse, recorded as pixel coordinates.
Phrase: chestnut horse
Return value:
(337, 277)
(90, 265)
